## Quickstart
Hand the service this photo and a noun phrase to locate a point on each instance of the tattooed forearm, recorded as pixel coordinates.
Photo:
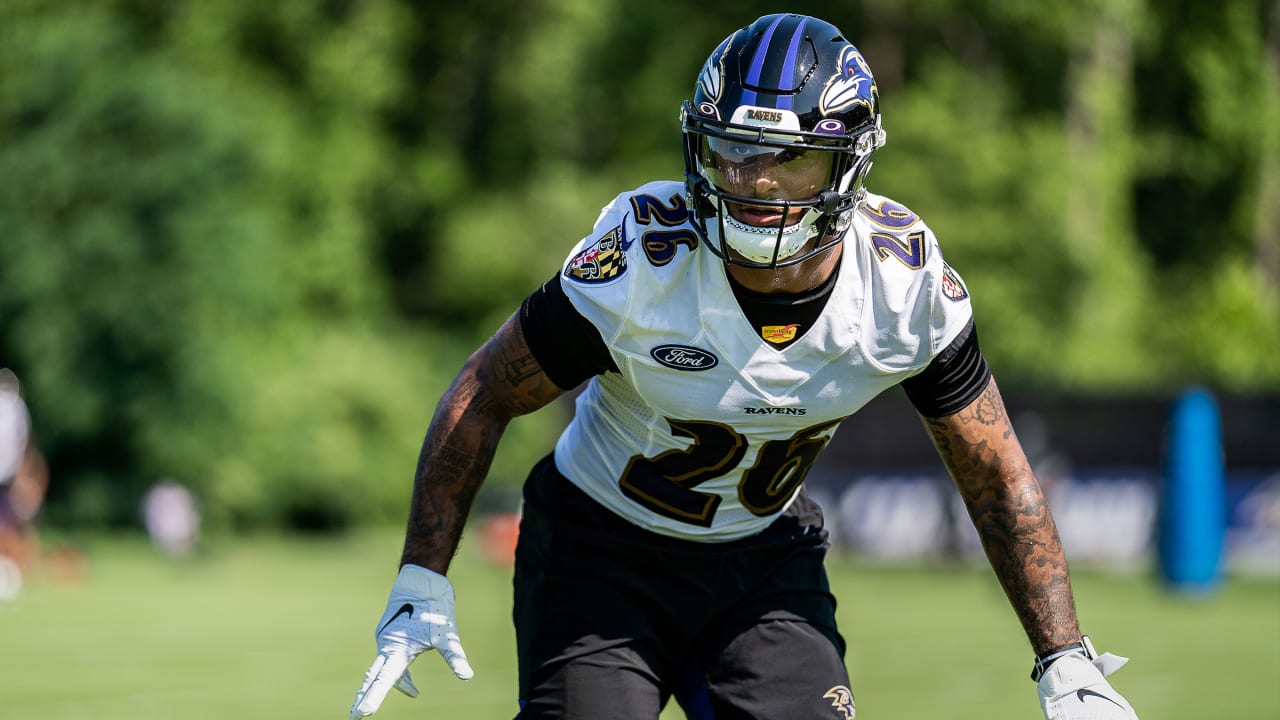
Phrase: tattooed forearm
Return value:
(451, 461)
(500, 381)
(1008, 508)
(444, 488)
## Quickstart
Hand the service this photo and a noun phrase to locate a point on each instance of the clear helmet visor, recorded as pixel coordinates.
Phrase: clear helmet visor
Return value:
(779, 173)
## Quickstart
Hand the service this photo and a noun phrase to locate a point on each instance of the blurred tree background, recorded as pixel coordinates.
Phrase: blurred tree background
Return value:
(247, 245)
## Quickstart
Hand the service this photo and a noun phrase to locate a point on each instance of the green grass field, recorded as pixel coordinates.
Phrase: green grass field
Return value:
(278, 629)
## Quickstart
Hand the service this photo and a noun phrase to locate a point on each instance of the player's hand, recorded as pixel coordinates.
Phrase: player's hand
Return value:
(419, 616)
(1076, 688)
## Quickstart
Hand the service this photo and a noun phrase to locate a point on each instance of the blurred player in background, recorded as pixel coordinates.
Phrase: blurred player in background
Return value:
(724, 326)
(24, 479)
(15, 424)
(171, 515)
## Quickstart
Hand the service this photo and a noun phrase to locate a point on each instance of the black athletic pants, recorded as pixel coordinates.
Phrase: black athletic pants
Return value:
(613, 620)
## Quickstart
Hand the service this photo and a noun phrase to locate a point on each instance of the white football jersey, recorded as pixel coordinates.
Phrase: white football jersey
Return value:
(707, 431)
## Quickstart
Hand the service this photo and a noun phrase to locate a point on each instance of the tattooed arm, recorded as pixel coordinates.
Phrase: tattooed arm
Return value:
(1009, 511)
(499, 381)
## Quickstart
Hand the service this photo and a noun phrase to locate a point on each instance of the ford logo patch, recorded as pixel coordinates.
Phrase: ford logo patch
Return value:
(683, 357)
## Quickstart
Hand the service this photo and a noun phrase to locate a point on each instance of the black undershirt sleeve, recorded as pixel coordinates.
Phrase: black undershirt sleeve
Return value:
(956, 377)
(567, 346)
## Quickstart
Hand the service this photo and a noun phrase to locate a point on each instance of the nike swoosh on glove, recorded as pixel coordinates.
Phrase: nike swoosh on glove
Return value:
(419, 617)
(1076, 688)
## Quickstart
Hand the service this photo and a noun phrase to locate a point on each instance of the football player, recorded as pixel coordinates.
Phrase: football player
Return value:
(724, 325)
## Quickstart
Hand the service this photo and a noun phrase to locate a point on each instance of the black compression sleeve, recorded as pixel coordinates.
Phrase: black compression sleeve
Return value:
(953, 380)
(567, 346)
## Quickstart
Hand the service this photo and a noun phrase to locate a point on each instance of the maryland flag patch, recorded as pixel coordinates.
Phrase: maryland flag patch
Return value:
(952, 286)
(602, 261)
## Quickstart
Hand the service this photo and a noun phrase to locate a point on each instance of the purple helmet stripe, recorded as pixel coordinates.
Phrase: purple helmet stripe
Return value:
(757, 62)
(788, 66)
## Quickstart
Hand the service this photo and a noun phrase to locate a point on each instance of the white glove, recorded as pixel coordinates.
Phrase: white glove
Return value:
(419, 616)
(1075, 688)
